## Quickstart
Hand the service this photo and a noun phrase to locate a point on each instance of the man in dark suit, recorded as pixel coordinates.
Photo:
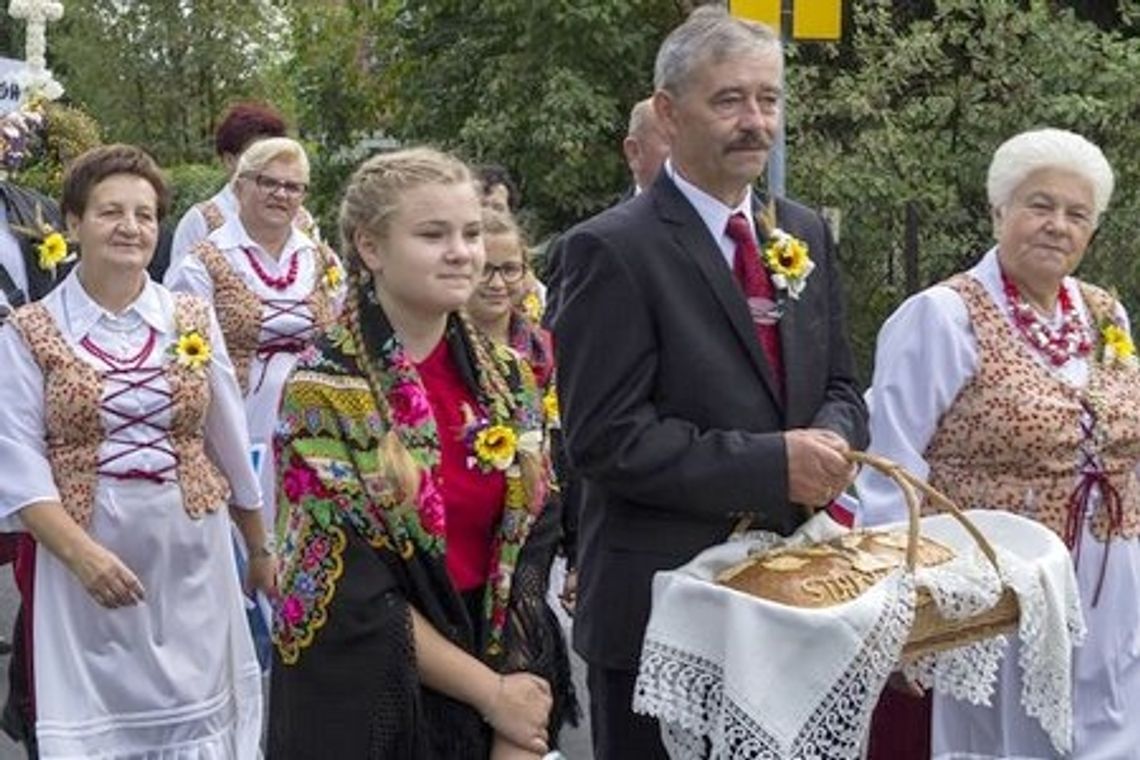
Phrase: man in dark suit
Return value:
(696, 389)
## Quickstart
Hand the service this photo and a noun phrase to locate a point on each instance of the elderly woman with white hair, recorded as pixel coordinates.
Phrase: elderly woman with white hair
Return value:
(273, 288)
(1013, 386)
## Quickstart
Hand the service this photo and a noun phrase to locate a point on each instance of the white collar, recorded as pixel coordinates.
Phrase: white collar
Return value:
(232, 234)
(82, 312)
(712, 211)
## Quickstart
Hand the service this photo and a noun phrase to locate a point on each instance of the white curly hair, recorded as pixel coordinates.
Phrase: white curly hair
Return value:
(1021, 155)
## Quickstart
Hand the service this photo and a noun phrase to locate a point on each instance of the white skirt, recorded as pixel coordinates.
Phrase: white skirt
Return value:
(171, 678)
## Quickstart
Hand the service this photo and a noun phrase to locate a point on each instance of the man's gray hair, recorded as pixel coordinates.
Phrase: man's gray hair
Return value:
(709, 34)
(639, 116)
(1021, 155)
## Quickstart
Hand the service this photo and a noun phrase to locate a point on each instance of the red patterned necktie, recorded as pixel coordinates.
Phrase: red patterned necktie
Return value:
(758, 292)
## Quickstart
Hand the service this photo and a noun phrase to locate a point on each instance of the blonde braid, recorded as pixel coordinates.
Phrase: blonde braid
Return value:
(393, 457)
(492, 378)
(497, 389)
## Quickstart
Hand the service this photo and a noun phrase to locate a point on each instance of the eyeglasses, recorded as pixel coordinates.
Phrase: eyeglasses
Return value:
(512, 271)
(270, 185)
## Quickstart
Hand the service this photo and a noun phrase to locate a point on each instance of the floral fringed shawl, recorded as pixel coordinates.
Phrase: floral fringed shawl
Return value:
(332, 478)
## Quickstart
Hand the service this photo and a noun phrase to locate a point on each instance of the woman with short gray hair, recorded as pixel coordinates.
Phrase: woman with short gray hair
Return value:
(1013, 386)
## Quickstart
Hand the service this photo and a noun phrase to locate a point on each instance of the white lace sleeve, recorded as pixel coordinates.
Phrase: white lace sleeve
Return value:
(924, 356)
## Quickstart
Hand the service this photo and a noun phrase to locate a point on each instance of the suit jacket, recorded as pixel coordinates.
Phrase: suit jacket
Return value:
(668, 404)
(21, 205)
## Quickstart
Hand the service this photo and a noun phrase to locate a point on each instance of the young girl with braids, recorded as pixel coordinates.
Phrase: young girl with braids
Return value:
(412, 477)
(495, 310)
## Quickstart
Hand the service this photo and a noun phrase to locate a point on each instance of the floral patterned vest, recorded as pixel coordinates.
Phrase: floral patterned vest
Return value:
(240, 309)
(1011, 438)
(73, 396)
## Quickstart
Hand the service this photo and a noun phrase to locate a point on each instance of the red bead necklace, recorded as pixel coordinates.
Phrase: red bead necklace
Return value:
(1070, 340)
(130, 362)
(277, 283)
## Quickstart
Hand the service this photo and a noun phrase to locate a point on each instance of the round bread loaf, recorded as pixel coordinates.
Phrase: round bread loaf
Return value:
(826, 574)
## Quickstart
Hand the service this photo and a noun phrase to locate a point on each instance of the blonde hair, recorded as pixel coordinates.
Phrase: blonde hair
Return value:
(374, 191)
(503, 223)
(370, 200)
(264, 152)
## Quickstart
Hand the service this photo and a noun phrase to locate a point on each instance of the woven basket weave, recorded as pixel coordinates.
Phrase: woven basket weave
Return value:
(931, 632)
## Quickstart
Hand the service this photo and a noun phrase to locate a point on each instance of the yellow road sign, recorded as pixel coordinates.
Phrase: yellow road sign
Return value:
(811, 19)
(764, 11)
(817, 19)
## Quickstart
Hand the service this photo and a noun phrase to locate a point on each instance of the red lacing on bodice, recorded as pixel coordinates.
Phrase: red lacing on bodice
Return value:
(122, 377)
(1092, 476)
(276, 337)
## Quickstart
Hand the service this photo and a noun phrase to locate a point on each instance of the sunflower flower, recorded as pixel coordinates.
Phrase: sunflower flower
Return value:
(1118, 345)
(192, 350)
(532, 307)
(52, 250)
(495, 446)
(333, 277)
(550, 407)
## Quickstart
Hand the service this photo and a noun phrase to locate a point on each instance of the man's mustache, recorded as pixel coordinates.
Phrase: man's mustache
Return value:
(749, 141)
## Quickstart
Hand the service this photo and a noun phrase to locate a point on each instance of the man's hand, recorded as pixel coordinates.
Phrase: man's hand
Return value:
(817, 468)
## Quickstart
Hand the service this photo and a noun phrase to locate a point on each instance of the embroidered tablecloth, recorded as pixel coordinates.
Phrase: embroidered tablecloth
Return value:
(732, 676)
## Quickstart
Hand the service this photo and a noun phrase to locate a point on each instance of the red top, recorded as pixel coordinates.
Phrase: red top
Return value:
(473, 500)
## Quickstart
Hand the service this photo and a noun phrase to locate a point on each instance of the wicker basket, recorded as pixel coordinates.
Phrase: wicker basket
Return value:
(931, 632)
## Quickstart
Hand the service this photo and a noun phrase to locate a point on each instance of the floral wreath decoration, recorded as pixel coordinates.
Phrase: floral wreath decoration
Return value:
(786, 257)
(18, 132)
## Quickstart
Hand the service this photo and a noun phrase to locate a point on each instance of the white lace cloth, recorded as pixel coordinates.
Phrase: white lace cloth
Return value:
(732, 676)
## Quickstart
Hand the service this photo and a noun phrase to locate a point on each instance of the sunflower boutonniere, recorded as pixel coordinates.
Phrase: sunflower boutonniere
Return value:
(191, 349)
(51, 246)
(495, 445)
(1116, 346)
(784, 255)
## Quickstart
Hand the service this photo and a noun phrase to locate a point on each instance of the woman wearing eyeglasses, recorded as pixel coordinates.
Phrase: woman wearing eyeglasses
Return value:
(493, 309)
(272, 286)
(502, 285)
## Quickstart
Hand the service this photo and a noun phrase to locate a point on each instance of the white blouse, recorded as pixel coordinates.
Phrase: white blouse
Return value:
(925, 355)
(25, 472)
(190, 274)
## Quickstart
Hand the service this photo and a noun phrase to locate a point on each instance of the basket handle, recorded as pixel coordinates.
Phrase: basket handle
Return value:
(908, 484)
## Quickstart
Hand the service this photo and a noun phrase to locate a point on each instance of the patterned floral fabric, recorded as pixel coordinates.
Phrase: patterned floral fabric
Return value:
(239, 309)
(74, 391)
(1027, 462)
(335, 449)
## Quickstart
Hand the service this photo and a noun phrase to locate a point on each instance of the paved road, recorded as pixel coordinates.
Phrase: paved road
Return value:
(9, 602)
(575, 741)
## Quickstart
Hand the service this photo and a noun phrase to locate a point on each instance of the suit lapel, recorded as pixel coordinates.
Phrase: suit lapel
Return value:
(693, 237)
(791, 339)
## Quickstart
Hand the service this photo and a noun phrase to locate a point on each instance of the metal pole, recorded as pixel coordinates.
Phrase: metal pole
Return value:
(777, 157)
(910, 248)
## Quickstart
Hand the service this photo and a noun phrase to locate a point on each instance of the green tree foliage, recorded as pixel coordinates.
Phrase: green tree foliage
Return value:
(336, 71)
(158, 72)
(542, 88)
(911, 109)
